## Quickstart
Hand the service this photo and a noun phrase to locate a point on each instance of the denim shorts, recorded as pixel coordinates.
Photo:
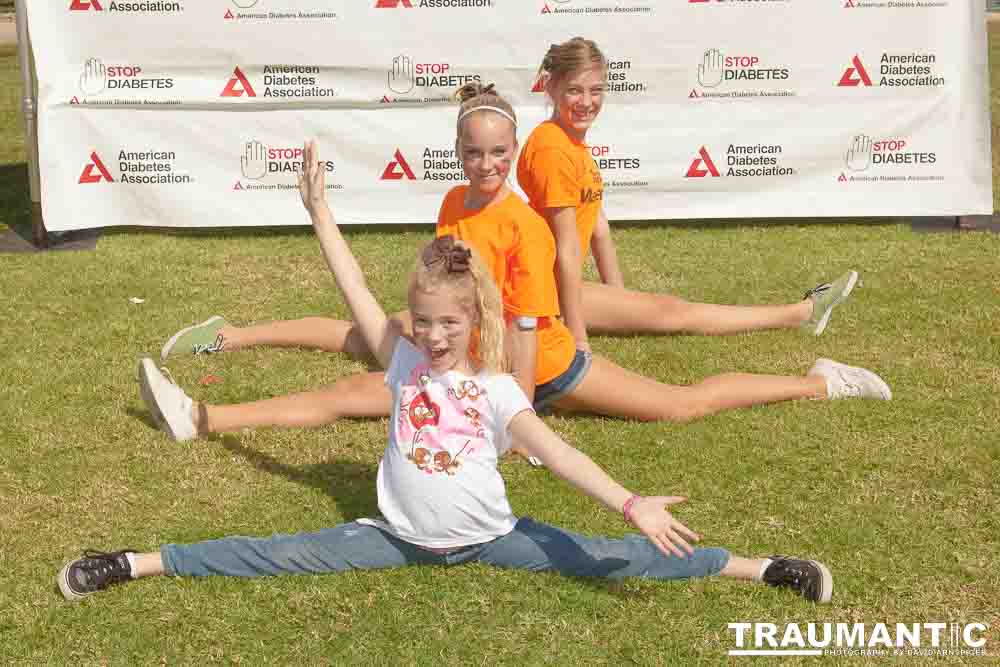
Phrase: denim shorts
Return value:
(548, 393)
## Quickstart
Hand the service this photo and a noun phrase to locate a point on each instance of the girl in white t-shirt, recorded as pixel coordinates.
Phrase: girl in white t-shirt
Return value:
(440, 494)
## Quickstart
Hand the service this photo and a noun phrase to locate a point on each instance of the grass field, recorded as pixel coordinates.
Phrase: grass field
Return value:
(899, 499)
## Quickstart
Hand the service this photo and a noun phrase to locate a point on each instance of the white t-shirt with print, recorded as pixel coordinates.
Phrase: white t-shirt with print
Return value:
(438, 483)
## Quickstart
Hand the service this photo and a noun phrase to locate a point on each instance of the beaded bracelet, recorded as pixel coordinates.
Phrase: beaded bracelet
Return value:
(627, 509)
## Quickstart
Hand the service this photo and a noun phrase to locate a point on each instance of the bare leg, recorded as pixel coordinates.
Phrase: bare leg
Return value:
(742, 568)
(321, 333)
(151, 565)
(362, 395)
(619, 311)
(609, 389)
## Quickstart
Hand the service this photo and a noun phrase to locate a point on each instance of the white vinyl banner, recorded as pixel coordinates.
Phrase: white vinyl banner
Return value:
(192, 113)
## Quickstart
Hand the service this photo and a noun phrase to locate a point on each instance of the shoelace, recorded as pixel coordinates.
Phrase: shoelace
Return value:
(102, 567)
(816, 291)
(792, 575)
(849, 388)
(214, 346)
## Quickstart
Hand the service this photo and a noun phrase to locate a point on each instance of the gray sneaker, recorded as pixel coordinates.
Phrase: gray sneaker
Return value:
(843, 381)
(826, 297)
(167, 403)
(201, 338)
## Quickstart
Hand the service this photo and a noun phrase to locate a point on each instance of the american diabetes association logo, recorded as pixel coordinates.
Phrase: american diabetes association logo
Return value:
(145, 167)
(894, 5)
(598, 7)
(271, 168)
(740, 75)
(271, 11)
(279, 82)
(433, 4)
(116, 7)
(412, 79)
(916, 69)
(426, 164)
(888, 159)
(126, 84)
(740, 161)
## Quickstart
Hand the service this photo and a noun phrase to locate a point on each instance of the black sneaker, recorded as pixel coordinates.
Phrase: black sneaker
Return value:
(809, 577)
(94, 572)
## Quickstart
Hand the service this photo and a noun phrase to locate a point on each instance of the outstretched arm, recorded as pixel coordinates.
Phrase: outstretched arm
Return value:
(569, 272)
(603, 247)
(648, 514)
(378, 333)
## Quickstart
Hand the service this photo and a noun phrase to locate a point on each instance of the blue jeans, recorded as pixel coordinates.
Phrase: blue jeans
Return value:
(548, 393)
(356, 546)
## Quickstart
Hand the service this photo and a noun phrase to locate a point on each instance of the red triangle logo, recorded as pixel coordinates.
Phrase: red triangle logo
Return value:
(397, 169)
(238, 79)
(229, 14)
(75, 100)
(842, 179)
(386, 100)
(546, 10)
(857, 67)
(88, 175)
(238, 186)
(693, 94)
(696, 170)
(849, 4)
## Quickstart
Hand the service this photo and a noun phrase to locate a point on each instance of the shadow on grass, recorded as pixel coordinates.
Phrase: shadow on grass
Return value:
(350, 483)
(15, 198)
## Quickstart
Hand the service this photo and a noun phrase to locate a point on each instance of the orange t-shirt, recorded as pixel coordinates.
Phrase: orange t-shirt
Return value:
(556, 171)
(516, 245)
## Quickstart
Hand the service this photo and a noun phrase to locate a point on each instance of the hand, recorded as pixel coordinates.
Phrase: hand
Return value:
(710, 70)
(94, 77)
(859, 155)
(400, 77)
(669, 535)
(253, 162)
(312, 180)
(584, 346)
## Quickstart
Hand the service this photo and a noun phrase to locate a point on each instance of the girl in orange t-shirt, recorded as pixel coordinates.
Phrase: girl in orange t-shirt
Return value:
(564, 184)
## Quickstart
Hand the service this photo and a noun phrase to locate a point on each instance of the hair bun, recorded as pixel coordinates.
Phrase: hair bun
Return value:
(473, 90)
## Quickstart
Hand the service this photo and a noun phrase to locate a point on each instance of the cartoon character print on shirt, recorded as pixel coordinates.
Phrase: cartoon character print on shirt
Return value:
(440, 434)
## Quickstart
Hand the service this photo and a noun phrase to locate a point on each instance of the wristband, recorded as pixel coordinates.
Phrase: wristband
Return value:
(627, 509)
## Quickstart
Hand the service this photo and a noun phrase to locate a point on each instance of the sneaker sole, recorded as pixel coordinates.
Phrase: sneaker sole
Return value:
(848, 288)
(826, 582)
(169, 345)
(147, 369)
(62, 579)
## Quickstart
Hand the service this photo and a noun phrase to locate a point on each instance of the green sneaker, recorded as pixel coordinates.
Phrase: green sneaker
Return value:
(201, 338)
(825, 297)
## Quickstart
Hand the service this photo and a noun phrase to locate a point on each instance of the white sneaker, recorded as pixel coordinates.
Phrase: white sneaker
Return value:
(168, 404)
(843, 381)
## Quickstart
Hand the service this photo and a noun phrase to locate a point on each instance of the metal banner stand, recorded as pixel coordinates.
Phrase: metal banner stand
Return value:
(38, 234)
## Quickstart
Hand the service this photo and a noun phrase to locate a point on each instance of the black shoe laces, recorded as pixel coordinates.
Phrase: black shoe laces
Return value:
(795, 574)
(103, 568)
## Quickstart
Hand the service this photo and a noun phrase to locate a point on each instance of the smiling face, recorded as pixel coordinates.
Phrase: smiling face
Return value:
(578, 99)
(442, 327)
(486, 147)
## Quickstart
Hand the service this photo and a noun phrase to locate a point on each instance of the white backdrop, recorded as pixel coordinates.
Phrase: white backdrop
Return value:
(190, 113)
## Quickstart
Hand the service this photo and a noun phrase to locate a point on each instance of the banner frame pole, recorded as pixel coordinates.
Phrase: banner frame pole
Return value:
(28, 108)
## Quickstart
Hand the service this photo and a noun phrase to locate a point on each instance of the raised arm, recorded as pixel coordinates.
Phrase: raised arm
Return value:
(603, 247)
(648, 514)
(378, 333)
(569, 272)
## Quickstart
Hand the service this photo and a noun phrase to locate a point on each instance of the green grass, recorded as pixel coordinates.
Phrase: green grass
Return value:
(900, 499)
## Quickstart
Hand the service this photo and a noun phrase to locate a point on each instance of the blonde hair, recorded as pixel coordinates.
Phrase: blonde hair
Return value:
(563, 59)
(475, 96)
(446, 262)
